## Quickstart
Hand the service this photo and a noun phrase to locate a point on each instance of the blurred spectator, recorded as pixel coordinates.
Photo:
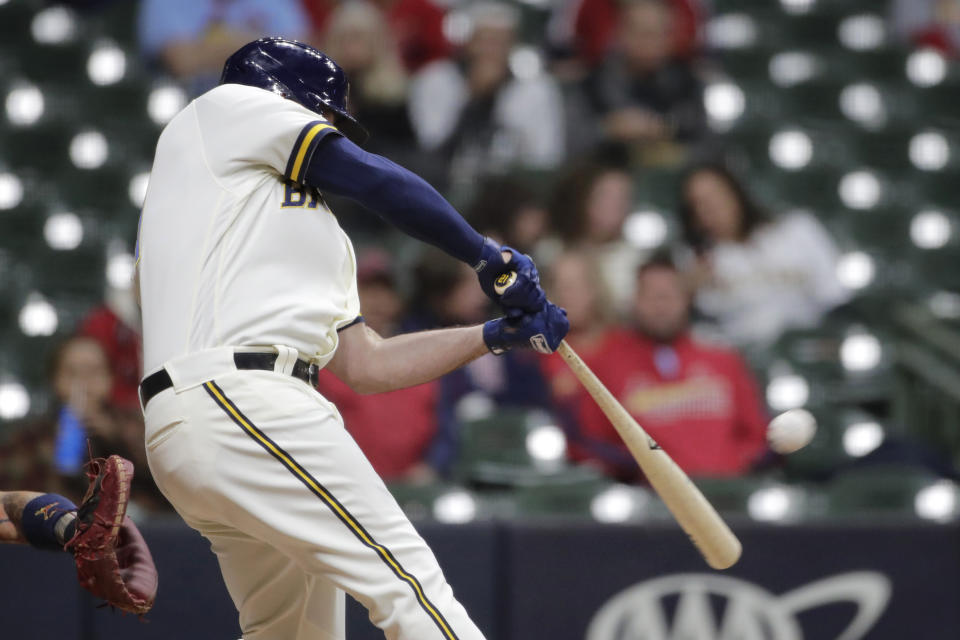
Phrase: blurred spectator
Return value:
(588, 208)
(573, 282)
(754, 275)
(395, 430)
(641, 92)
(48, 453)
(507, 210)
(447, 293)
(112, 324)
(477, 113)
(358, 38)
(416, 27)
(191, 39)
(699, 402)
(589, 27)
(928, 23)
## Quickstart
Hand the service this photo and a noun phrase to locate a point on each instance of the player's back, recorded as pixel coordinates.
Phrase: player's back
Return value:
(231, 250)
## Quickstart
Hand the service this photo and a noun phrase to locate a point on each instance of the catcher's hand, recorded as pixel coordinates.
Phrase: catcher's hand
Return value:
(112, 558)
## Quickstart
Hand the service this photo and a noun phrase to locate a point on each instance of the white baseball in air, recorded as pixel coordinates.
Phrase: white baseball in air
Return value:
(791, 430)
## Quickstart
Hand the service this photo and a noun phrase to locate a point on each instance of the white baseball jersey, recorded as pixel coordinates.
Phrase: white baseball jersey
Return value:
(232, 250)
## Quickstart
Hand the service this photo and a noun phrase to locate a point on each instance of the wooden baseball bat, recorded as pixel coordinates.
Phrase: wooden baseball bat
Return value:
(711, 535)
(696, 516)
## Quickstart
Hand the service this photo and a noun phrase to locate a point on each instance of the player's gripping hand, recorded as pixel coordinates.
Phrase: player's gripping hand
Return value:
(542, 331)
(525, 294)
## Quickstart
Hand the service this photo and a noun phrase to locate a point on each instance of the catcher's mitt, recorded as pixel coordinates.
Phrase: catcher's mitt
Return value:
(112, 558)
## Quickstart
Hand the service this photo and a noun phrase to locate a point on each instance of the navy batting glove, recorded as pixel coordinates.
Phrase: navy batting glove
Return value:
(542, 331)
(525, 294)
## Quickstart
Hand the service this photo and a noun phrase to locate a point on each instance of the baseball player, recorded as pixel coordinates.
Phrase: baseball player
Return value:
(248, 286)
(113, 561)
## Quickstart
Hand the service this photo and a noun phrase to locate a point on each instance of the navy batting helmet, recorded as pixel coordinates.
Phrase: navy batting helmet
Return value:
(298, 72)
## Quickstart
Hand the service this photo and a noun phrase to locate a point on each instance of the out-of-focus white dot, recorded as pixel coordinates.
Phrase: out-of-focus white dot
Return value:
(164, 102)
(860, 352)
(455, 507)
(862, 32)
(24, 105)
(89, 149)
(787, 391)
(862, 103)
(476, 405)
(937, 501)
(791, 149)
(457, 27)
(724, 102)
(546, 443)
(926, 67)
(107, 64)
(618, 503)
(525, 62)
(860, 189)
(732, 31)
(929, 151)
(797, 7)
(645, 229)
(945, 304)
(11, 191)
(930, 229)
(38, 317)
(120, 268)
(789, 68)
(138, 188)
(63, 231)
(14, 400)
(769, 504)
(860, 438)
(855, 270)
(53, 25)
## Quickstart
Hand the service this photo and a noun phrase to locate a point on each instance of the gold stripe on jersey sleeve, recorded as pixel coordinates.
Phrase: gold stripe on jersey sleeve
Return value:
(302, 151)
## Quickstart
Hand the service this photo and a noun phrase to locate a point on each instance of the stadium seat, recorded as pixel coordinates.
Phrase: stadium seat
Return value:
(877, 489)
(568, 495)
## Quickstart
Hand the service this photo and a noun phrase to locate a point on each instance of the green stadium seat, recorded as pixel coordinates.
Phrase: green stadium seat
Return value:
(877, 489)
(567, 495)
(730, 495)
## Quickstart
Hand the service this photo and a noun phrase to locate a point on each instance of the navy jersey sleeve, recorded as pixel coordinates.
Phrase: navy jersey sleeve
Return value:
(399, 196)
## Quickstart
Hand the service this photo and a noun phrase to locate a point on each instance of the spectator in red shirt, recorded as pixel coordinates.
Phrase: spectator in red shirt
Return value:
(417, 27)
(699, 402)
(594, 26)
(395, 430)
(47, 452)
(114, 325)
(647, 99)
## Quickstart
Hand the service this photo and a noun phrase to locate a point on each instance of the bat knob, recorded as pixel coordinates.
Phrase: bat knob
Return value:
(504, 281)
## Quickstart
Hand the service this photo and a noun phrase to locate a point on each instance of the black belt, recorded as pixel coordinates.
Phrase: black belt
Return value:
(160, 381)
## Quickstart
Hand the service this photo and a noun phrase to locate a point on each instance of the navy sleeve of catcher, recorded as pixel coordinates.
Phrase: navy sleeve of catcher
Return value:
(399, 196)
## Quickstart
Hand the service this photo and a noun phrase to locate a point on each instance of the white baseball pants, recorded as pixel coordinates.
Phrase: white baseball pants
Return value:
(260, 464)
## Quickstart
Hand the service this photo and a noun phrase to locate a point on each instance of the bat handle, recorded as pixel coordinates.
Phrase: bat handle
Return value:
(504, 281)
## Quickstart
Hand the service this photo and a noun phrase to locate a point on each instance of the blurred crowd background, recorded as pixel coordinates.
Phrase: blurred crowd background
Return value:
(746, 206)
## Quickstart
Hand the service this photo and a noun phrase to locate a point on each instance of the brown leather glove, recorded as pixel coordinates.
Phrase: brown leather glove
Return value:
(112, 558)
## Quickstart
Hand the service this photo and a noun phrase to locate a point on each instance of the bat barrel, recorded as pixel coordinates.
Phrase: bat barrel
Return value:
(696, 516)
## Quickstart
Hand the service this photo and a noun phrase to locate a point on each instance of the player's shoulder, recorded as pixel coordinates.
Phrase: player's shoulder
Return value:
(239, 99)
(229, 95)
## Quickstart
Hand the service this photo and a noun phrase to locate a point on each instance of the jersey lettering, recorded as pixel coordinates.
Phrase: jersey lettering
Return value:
(297, 195)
